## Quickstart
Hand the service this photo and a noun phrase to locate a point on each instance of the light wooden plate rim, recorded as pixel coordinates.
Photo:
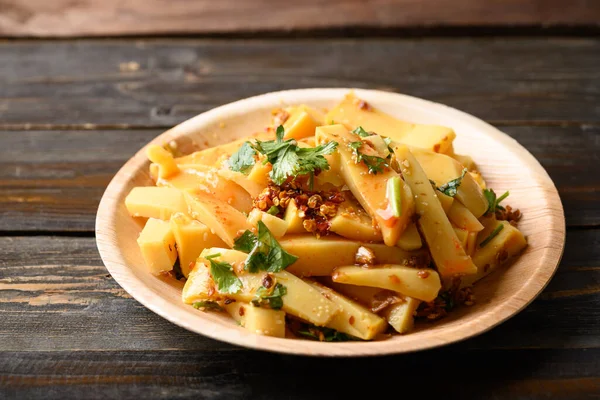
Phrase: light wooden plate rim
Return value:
(114, 261)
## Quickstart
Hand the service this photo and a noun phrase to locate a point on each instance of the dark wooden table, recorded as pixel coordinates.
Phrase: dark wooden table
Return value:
(72, 111)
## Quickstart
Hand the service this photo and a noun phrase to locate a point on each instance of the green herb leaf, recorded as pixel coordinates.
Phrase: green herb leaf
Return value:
(266, 254)
(223, 275)
(245, 242)
(288, 159)
(494, 233)
(243, 159)
(207, 305)
(271, 298)
(450, 188)
(313, 332)
(274, 210)
(374, 164)
(361, 132)
(493, 202)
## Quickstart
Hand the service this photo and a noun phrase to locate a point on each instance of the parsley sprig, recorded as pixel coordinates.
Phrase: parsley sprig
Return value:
(492, 235)
(374, 164)
(450, 188)
(223, 275)
(264, 252)
(493, 201)
(361, 132)
(287, 159)
(272, 298)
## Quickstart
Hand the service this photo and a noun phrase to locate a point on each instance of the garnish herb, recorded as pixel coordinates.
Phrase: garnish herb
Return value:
(272, 298)
(394, 195)
(494, 233)
(274, 210)
(243, 160)
(207, 305)
(450, 188)
(323, 334)
(361, 132)
(493, 202)
(288, 159)
(223, 275)
(374, 164)
(264, 252)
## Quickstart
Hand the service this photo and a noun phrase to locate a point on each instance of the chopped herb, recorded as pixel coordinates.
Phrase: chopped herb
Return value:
(223, 275)
(494, 233)
(207, 305)
(374, 164)
(448, 299)
(493, 202)
(288, 159)
(243, 159)
(388, 142)
(274, 210)
(450, 188)
(394, 196)
(245, 242)
(271, 298)
(323, 334)
(361, 132)
(266, 254)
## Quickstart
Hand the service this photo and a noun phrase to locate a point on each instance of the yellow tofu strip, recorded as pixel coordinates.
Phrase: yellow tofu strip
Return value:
(224, 220)
(166, 164)
(401, 316)
(353, 318)
(300, 125)
(429, 137)
(410, 239)
(460, 216)
(420, 283)
(301, 299)
(441, 169)
(155, 202)
(157, 245)
(353, 222)
(446, 250)
(264, 321)
(277, 226)
(508, 243)
(369, 189)
(191, 237)
(214, 155)
(352, 112)
(320, 256)
(199, 284)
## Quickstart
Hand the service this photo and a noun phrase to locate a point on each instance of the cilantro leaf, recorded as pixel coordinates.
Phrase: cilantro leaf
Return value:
(208, 305)
(266, 253)
(243, 159)
(323, 334)
(374, 164)
(450, 188)
(245, 242)
(288, 159)
(493, 202)
(274, 210)
(361, 132)
(271, 298)
(223, 275)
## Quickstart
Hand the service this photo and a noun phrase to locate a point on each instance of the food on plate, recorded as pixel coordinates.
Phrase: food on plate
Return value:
(331, 225)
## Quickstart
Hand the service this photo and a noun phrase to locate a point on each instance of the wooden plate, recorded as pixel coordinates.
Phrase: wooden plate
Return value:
(505, 164)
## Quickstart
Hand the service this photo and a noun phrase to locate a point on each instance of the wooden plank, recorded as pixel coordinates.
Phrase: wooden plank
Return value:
(87, 17)
(524, 374)
(55, 295)
(58, 184)
(158, 83)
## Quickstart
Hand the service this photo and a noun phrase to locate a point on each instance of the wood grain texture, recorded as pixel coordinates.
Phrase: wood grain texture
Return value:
(42, 189)
(88, 17)
(56, 295)
(501, 160)
(523, 374)
(515, 81)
